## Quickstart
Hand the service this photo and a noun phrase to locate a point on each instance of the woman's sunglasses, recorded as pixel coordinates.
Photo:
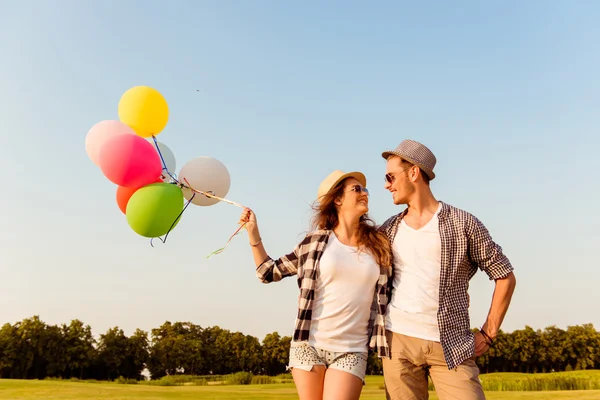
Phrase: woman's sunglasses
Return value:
(359, 189)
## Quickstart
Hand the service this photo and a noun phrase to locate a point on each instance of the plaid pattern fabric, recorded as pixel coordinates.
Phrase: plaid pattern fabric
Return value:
(465, 246)
(304, 262)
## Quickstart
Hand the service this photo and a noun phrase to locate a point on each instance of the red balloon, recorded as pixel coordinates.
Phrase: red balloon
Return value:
(130, 161)
(125, 193)
(123, 196)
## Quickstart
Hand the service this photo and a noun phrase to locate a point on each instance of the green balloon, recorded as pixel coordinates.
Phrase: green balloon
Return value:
(153, 209)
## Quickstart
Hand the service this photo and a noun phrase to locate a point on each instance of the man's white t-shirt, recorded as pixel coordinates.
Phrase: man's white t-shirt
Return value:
(343, 296)
(415, 297)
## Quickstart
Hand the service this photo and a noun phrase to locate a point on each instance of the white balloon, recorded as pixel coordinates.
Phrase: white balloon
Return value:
(169, 158)
(208, 175)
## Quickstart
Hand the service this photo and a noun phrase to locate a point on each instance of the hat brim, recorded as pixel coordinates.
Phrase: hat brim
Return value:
(388, 153)
(359, 176)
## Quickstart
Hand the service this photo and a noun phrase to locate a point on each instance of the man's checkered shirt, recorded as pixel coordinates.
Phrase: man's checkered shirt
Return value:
(465, 246)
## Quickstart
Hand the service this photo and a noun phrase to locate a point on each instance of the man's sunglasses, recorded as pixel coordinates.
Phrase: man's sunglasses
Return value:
(390, 177)
(359, 189)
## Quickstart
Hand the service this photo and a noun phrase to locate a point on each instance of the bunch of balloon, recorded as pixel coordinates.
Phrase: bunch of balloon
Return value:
(138, 167)
(148, 190)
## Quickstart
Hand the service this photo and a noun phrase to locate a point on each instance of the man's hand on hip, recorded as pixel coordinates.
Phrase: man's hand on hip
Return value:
(481, 345)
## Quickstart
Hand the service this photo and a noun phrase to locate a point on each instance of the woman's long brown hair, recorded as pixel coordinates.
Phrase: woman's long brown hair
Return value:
(326, 217)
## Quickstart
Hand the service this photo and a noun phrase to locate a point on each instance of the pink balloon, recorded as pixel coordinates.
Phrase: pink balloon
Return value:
(130, 161)
(100, 133)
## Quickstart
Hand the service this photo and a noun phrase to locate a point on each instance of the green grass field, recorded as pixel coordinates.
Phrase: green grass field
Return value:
(67, 390)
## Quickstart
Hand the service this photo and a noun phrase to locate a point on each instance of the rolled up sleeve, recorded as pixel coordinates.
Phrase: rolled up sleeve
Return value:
(487, 254)
(275, 270)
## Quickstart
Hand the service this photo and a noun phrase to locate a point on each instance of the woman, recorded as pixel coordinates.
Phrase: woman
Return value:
(343, 268)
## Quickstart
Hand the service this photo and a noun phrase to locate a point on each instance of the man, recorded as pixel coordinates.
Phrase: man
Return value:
(437, 250)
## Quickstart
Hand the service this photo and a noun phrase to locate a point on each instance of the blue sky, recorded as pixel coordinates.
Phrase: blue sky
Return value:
(506, 94)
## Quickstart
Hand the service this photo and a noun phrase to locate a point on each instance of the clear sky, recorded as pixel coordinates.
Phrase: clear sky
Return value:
(505, 93)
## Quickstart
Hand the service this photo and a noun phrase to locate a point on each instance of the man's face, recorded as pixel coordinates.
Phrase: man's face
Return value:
(397, 180)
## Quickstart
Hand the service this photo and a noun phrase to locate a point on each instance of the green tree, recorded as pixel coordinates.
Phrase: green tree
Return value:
(525, 346)
(55, 352)
(80, 348)
(500, 354)
(275, 350)
(374, 364)
(243, 352)
(251, 357)
(581, 343)
(31, 333)
(112, 353)
(176, 348)
(216, 349)
(137, 354)
(9, 352)
(553, 355)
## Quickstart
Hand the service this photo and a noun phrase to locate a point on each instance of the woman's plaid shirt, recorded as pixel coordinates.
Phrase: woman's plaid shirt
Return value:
(304, 262)
(465, 246)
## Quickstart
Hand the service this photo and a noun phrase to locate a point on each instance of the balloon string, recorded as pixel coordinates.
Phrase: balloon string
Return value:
(162, 159)
(207, 194)
(174, 222)
(219, 251)
(174, 180)
(210, 195)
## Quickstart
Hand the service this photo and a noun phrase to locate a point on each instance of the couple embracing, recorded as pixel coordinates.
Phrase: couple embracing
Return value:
(400, 290)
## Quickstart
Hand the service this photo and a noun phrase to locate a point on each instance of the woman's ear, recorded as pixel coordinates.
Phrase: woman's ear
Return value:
(338, 201)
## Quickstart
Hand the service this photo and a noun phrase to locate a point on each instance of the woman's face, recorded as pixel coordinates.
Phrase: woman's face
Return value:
(354, 199)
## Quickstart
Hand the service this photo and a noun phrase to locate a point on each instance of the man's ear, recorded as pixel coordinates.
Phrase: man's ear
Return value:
(414, 173)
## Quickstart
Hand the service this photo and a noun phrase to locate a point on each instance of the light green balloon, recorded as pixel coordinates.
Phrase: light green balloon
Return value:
(152, 209)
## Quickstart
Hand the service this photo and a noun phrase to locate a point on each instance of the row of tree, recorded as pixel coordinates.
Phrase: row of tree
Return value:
(553, 349)
(32, 349)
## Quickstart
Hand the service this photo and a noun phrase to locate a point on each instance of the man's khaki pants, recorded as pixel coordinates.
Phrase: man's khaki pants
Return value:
(405, 373)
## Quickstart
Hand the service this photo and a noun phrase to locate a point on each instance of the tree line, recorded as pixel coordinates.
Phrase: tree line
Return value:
(32, 349)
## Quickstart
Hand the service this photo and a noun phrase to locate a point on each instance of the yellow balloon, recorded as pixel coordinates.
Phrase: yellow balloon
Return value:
(145, 110)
